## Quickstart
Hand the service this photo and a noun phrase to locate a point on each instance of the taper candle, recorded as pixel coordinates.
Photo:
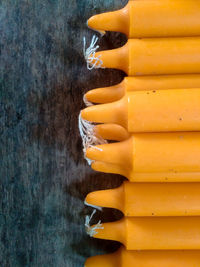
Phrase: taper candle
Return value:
(151, 157)
(150, 199)
(151, 19)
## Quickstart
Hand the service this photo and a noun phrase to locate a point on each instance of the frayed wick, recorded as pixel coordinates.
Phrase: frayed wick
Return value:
(93, 62)
(86, 102)
(89, 139)
(92, 230)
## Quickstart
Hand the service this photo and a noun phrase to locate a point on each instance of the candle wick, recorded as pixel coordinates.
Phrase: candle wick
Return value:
(91, 230)
(89, 139)
(93, 62)
(93, 206)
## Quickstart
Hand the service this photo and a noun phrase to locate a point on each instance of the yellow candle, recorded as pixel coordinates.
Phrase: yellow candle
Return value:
(151, 19)
(154, 56)
(150, 199)
(125, 258)
(151, 111)
(113, 132)
(139, 83)
(155, 157)
(159, 233)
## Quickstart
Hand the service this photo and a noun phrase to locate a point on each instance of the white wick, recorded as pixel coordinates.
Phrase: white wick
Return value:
(91, 231)
(89, 139)
(93, 62)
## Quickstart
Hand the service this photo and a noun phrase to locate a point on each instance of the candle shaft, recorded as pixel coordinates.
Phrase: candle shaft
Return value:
(150, 199)
(151, 19)
(139, 83)
(159, 233)
(154, 56)
(151, 111)
(155, 157)
(125, 258)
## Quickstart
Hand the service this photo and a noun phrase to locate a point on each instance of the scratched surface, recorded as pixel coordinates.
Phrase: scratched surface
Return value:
(43, 176)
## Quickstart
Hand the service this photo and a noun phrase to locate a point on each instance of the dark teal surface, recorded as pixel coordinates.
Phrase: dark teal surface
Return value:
(43, 176)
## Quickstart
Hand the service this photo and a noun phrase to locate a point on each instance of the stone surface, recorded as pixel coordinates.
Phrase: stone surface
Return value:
(43, 176)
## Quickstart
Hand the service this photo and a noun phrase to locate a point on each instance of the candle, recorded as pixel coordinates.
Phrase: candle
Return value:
(111, 132)
(154, 56)
(151, 111)
(150, 199)
(139, 83)
(158, 233)
(125, 258)
(154, 157)
(151, 19)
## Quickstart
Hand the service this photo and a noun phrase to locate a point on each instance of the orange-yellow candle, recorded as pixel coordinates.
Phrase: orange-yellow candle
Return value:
(113, 132)
(150, 199)
(151, 111)
(151, 19)
(154, 56)
(158, 233)
(139, 83)
(126, 258)
(155, 157)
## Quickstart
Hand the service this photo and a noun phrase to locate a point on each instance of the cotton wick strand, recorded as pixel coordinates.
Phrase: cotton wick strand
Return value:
(91, 231)
(93, 206)
(89, 139)
(93, 62)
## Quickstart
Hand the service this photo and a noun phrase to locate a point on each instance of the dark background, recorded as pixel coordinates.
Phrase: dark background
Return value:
(43, 176)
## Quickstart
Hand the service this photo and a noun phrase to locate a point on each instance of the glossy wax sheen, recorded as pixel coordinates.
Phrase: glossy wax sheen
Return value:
(169, 233)
(142, 83)
(125, 258)
(151, 18)
(150, 199)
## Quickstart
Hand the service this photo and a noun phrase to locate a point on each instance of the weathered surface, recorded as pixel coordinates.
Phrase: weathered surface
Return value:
(43, 176)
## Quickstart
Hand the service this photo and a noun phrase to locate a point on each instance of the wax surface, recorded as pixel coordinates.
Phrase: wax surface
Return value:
(155, 56)
(158, 233)
(156, 157)
(151, 111)
(111, 132)
(151, 19)
(150, 199)
(139, 83)
(124, 258)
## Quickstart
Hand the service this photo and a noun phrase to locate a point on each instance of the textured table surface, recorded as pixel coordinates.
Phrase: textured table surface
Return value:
(43, 176)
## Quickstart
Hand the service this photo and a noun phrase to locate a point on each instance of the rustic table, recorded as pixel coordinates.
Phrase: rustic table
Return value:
(43, 175)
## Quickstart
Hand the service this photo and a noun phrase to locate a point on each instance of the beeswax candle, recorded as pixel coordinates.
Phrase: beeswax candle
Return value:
(154, 56)
(155, 157)
(151, 19)
(139, 83)
(125, 258)
(151, 111)
(159, 233)
(150, 199)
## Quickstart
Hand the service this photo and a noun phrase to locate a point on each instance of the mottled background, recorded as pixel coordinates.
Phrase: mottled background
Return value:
(43, 176)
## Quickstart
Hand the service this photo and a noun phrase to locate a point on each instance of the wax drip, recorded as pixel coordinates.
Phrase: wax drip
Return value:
(93, 62)
(93, 206)
(87, 103)
(89, 139)
(91, 230)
